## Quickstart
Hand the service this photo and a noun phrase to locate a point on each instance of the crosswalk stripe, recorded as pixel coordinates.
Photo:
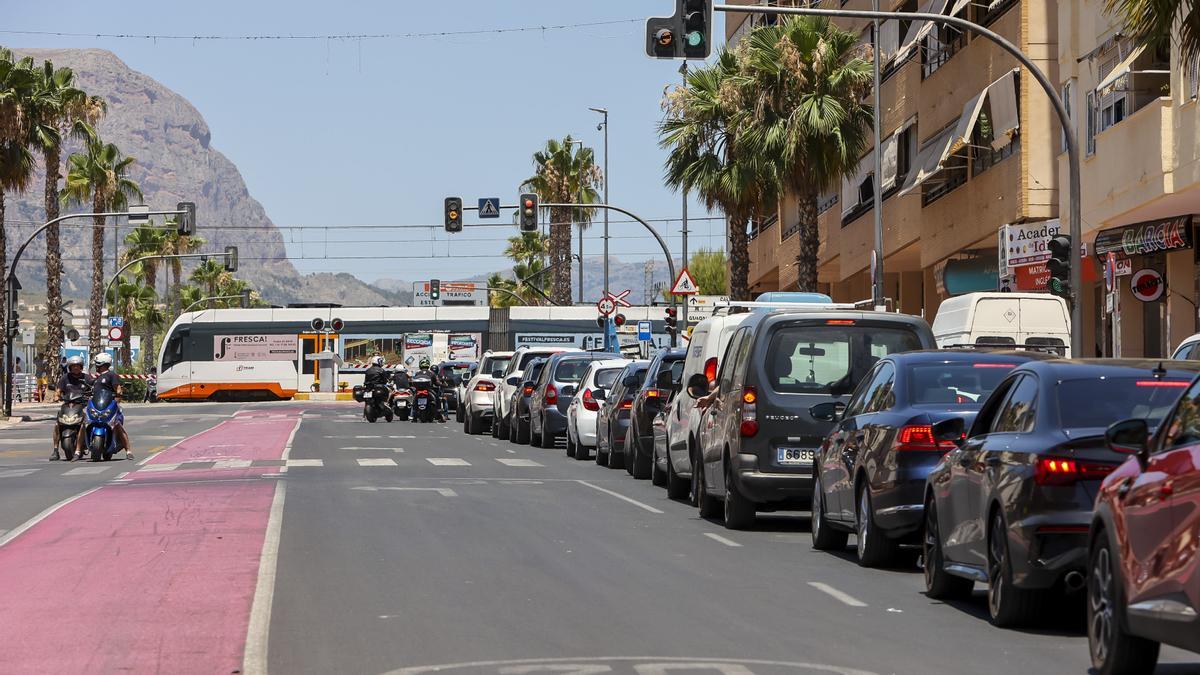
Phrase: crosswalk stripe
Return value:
(512, 461)
(304, 462)
(232, 464)
(384, 461)
(86, 470)
(16, 473)
(447, 461)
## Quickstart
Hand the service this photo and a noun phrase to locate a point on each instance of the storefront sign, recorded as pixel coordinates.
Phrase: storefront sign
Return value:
(463, 347)
(1147, 285)
(1032, 277)
(1026, 243)
(1155, 236)
(255, 348)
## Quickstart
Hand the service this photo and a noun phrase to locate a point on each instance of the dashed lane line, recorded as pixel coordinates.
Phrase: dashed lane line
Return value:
(86, 470)
(515, 461)
(620, 496)
(447, 461)
(844, 598)
(382, 461)
(728, 542)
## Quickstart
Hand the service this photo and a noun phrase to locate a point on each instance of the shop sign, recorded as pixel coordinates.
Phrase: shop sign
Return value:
(1147, 285)
(1027, 243)
(1171, 234)
(1032, 277)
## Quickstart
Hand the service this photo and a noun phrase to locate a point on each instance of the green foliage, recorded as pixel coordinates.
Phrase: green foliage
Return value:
(133, 388)
(1155, 22)
(710, 270)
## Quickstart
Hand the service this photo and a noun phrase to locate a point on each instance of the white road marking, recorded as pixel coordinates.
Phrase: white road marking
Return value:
(512, 461)
(649, 664)
(358, 447)
(17, 473)
(232, 464)
(303, 462)
(254, 659)
(86, 470)
(385, 461)
(510, 451)
(158, 467)
(837, 595)
(445, 492)
(620, 496)
(728, 542)
(13, 534)
(447, 461)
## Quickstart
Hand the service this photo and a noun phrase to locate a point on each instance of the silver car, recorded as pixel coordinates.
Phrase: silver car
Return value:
(478, 394)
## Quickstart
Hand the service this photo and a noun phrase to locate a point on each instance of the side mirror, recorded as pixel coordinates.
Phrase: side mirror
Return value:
(664, 381)
(568, 390)
(952, 429)
(599, 394)
(697, 385)
(830, 411)
(1128, 436)
(513, 381)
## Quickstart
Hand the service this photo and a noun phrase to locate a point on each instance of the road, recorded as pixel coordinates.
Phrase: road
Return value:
(297, 538)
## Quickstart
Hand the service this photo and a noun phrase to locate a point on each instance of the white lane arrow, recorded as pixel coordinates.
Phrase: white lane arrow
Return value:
(445, 492)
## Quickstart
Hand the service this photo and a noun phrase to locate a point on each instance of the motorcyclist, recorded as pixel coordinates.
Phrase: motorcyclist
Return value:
(401, 379)
(435, 385)
(75, 382)
(105, 378)
(376, 375)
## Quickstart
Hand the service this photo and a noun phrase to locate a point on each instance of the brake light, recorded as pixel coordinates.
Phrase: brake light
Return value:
(1009, 366)
(551, 395)
(1061, 471)
(920, 437)
(840, 322)
(749, 426)
(527, 390)
(654, 393)
(485, 386)
(589, 401)
(710, 369)
(1175, 384)
(626, 404)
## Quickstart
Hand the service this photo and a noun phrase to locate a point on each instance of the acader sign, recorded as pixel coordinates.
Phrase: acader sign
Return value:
(1144, 238)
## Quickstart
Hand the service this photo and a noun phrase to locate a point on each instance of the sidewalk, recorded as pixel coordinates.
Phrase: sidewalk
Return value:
(29, 412)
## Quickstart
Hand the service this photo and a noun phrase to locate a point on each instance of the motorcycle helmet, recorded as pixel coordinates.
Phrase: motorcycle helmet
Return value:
(425, 363)
(75, 361)
(102, 359)
(377, 361)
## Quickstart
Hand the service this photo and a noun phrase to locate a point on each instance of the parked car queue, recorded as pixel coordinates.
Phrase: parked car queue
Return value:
(1048, 480)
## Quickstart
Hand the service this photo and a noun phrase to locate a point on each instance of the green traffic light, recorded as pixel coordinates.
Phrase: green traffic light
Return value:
(695, 39)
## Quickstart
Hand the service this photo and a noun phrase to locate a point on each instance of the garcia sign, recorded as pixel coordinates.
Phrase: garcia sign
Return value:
(1155, 236)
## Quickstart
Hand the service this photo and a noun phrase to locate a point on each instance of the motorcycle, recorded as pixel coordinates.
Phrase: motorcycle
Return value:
(424, 404)
(70, 417)
(402, 400)
(100, 412)
(376, 402)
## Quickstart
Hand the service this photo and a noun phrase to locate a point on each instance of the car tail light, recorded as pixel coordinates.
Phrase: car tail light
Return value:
(920, 437)
(1062, 471)
(840, 322)
(527, 390)
(654, 393)
(589, 401)
(551, 395)
(1175, 384)
(749, 426)
(1009, 366)
(626, 404)
(710, 369)
(485, 386)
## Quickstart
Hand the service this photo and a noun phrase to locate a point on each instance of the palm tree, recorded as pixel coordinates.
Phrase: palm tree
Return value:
(1152, 22)
(98, 173)
(190, 295)
(702, 131)
(144, 241)
(209, 275)
(804, 82)
(497, 280)
(131, 299)
(16, 163)
(57, 109)
(176, 244)
(564, 174)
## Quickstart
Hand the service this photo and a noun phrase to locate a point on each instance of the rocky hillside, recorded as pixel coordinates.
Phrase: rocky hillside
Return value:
(176, 161)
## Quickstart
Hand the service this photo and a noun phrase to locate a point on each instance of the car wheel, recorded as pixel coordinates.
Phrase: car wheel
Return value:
(677, 488)
(570, 444)
(1113, 650)
(522, 432)
(739, 511)
(458, 414)
(940, 584)
(874, 547)
(601, 456)
(1008, 605)
(641, 462)
(535, 439)
(474, 425)
(657, 476)
(824, 537)
(710, 507)
(616, 460)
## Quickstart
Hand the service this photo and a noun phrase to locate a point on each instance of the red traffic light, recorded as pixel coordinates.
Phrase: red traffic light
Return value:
(529, 203)
(337, 325)
(672, 312)
(619, 320)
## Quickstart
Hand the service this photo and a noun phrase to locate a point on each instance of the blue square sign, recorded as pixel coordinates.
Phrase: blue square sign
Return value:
(489, 207)
(645, 331)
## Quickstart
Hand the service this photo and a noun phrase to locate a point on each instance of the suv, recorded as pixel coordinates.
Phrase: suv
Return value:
(662, 379)
(518, 430)
(551, 397)
(758, 437)
(613, 420)
(511, 381)
(478, 404)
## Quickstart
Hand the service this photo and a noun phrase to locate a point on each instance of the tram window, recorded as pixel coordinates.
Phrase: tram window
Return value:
(173, 354)
(308, 346)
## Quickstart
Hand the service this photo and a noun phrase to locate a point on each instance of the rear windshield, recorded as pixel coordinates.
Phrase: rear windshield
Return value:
(529, 356)
(954, 383)
(494, 363)
(607, 377)
(1097, 402)
(830, 359)
(569, 370)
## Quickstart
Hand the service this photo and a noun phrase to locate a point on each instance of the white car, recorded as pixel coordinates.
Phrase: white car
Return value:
(477, 403)
(585, 408)
(1189, 349)
(508, 383)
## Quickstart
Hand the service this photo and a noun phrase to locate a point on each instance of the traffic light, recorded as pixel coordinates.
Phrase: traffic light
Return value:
(337, 325)
(435, 290)
(529, 212)
(601, 321)
(1059, 266)
(672, 321)
(619, 320)
(454, 214)
(686, 35)
(185, 225)
(697, 25)
(317, 324)
(231, 259)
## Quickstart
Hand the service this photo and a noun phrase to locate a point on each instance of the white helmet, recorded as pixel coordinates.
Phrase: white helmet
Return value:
(102, 359)
(75, 360)
(377, 361)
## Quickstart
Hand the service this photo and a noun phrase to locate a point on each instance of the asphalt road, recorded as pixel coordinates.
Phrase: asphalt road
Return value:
(391, 547)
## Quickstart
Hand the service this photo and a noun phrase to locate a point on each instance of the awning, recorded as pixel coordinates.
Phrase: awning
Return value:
(850, 184)
(891, 147)
(917, 30)
(1121, 70)
(1005, 114)
(889, 40)
(929, 161)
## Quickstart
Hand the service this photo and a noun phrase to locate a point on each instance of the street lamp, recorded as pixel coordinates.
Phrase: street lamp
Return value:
(604, 125)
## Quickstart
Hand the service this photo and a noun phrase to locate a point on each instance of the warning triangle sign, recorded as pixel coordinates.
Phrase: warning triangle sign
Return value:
(685, 284)
(488, 209)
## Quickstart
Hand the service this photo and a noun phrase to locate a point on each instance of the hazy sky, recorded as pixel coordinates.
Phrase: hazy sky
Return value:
(337, 132)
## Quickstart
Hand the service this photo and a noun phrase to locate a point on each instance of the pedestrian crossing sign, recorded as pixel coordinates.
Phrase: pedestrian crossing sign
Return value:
(489, 207)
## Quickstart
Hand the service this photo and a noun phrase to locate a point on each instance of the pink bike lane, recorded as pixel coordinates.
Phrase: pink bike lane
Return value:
(157, 573)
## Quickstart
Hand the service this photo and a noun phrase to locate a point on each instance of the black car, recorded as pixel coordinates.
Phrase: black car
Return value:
(519, 429)
(450, 373)
(613, 420)
(662, 380)
(1011, 507)
(871, 470)
(552, 394)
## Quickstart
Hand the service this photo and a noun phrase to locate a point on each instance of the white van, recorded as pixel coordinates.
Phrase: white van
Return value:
(998, 319)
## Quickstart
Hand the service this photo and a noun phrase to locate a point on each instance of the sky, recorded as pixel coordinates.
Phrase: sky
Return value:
(369, 132)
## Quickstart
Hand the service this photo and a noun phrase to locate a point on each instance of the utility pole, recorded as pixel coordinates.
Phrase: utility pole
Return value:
(877, 182)
(683, 317)
(604, 123)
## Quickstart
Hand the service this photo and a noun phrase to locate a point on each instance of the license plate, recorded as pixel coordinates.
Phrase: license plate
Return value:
(796, 456)
(421, 402)
(402, 404)
(367, 394)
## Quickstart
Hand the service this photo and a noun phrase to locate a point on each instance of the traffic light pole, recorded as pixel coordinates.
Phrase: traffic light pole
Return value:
(10, 301)
(1073, 179)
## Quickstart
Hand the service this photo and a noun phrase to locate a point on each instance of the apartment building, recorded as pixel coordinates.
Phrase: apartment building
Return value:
(1137, 122)
(971, 144)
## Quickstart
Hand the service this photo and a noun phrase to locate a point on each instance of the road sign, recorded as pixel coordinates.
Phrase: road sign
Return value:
(606, 306)
(139, 214)
(684, 284)
(619, 298)
(116, 322)
(703, 306)
(1147, 285)
(489, 207)
(116, 333)
(645, 331)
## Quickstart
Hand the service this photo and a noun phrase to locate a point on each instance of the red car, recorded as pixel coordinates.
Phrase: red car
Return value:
(1144, 556)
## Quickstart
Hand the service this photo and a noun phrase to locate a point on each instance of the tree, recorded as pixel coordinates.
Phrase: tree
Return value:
(57, 109)
(564, 174)
(16, 162)
(709, 269)
(130, 299)
(98, 173)
(177, 244)
(144, 241)
(804, 82)
(190, 295)
(209, 275)
(702, 131)
(1154, 22)
(501, 299)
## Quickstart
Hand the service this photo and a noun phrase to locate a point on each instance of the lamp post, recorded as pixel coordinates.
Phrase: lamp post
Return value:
(604, 124)
(579, 217)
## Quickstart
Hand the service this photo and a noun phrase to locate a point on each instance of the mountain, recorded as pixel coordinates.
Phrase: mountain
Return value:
(176, 162)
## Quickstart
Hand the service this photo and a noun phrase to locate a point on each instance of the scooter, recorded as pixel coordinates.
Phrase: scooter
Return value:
(423, 401)
(100, 413)
(376, 402)
(70, 418)
(402, 403)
